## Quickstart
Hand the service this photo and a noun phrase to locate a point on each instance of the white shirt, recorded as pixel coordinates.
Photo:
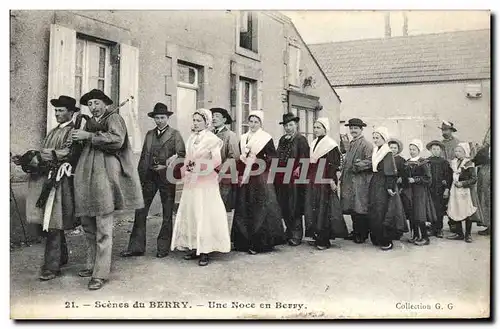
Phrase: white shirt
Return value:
(160, 131)
(62, 125)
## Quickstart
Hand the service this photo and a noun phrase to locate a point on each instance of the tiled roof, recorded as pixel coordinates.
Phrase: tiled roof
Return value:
(449, 56)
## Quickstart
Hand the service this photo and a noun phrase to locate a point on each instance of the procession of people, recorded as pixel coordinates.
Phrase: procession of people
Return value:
(244, 194)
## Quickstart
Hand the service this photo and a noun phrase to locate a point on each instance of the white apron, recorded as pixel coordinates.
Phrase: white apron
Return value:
(460, 205)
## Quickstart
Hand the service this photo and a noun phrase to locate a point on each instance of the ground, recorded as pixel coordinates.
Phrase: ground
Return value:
(452, 278)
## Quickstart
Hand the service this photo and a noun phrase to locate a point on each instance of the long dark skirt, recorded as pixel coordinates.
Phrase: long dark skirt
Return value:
(323, 215)
(378, 204)
(484, 193)
(418, 203)
(257, 223)
(228, 195)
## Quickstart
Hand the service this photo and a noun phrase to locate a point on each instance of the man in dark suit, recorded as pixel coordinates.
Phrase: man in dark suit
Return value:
(162, 146)
(292, 147)
(230, 150)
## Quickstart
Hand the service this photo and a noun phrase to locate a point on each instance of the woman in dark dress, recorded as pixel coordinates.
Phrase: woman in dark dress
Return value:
(419, 206)
(483, 161)
(257, 224)
(323, 213)
(382, 188)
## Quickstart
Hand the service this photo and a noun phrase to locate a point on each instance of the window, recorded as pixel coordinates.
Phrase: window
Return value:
(246, 102)
(93, 67)
(187, 75)
(294, 65)
(246, 88)
(306, 123)
(247, 30)
(188, 90)
(78, 63)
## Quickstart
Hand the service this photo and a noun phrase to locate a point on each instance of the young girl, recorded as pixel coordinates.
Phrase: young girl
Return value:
(419, 207)
(460, 205)
(396, 147)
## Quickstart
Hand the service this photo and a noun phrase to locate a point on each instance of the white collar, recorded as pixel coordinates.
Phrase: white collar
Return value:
(379, 154)
(218, 130)
(62, 125)
(99, 117)
(325, 145)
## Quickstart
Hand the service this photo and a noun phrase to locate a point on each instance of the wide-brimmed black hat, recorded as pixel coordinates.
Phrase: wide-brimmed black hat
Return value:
(95, 94)
(435, 142)
(447, 125)
(355, 122)
(287, 117)
(224, 113)
(65, 101)
(160, 108)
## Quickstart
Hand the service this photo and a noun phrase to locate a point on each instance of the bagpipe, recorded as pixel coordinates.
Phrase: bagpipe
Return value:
(92, 125)
(31, 162)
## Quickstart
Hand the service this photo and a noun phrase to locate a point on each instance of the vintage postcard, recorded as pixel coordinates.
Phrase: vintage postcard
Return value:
(234, 164)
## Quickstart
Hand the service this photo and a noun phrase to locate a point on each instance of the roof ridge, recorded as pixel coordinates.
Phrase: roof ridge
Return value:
(399, 37)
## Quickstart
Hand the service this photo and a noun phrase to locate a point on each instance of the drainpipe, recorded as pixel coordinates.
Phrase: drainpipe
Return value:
(387, 24)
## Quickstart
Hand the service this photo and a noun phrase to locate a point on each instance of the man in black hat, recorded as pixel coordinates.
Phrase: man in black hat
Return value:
(162, 145)
(106, 180)
(54, 211)
(230, 151)
(292, 147)
(449, 141)
(355, 180)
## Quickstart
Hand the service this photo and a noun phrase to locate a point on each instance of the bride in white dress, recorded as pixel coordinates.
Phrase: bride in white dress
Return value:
(201, 224)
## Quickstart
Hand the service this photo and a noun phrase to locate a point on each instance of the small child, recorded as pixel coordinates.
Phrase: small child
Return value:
(416, 196)
(460, 206)
(442, 177)
(397, 147)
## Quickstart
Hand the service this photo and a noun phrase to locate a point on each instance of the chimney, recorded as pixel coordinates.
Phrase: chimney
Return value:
(405, 25)
(387, 24)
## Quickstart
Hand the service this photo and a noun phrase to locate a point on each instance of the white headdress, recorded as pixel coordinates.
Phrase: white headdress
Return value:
(325, 122)
(206, 114)
(257, 113)
(418, 143)
(382, 131)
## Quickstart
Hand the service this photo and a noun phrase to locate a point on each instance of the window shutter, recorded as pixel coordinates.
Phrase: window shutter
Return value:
(61, 80)
(293, 65)
(129, 86)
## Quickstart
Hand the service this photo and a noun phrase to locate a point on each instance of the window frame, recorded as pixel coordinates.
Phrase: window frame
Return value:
(309, 114)
(253, 54)
(196, 84)
(241, 120)
(294, 71)
(85, 73)
(242, 103)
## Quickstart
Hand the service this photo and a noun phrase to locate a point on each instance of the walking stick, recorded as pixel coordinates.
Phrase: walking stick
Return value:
(13, 197)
